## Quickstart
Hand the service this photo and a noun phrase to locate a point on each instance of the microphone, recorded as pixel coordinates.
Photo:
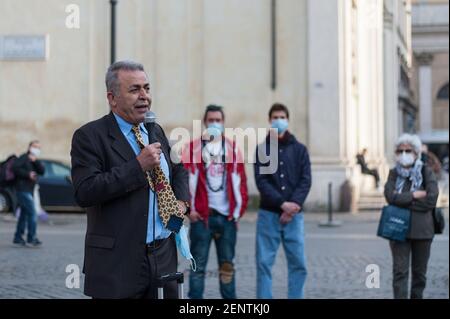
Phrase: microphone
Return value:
(149, 123)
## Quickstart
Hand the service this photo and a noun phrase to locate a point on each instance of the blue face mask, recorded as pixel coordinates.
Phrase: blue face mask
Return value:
(215, 129)
(183, 246)
(281, 125)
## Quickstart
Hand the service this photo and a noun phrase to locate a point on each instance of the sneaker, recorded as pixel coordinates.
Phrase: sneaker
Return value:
(19, 242)
(35, 242)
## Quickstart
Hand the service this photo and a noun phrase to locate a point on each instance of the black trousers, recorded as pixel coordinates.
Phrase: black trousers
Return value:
(419, 251)
(374, 173)
(159, 261)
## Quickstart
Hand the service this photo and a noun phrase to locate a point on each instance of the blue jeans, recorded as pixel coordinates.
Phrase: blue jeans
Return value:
(28, 216)
(223, 232)
(269, 234)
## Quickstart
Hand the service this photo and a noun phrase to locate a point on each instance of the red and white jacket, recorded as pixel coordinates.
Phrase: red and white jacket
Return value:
(236, 179)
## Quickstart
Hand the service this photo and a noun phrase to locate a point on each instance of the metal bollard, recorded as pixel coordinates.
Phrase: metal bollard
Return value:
(330, 222)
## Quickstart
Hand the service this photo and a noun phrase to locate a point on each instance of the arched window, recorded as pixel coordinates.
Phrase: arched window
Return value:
(443, 93)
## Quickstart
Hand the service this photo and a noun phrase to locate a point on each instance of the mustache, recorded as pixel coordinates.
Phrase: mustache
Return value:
(143, 103)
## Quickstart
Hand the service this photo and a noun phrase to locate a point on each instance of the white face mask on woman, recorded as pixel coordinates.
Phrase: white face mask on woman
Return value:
(406, 159)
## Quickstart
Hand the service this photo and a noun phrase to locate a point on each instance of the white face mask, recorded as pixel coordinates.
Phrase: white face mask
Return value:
(35, 151)
(406, 159)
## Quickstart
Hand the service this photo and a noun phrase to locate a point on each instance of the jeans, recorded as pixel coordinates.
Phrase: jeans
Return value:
(28, 216)
(269, 233)
(418, 253)
(223, 232)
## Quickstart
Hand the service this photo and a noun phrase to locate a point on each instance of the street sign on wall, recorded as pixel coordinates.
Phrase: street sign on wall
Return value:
(24, 47)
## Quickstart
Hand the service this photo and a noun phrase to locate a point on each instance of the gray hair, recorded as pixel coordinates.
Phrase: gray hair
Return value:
(412, 140)
(112, 79)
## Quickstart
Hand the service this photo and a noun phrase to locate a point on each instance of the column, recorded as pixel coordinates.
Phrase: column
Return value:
(324, 70)
(425, 92)
(391, 80)
(326, 99)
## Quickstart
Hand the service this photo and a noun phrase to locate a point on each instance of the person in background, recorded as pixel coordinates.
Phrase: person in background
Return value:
(26, 169)
(218, 187)
(280, 215)
(430, 159)
(412, 185)
(361, 160)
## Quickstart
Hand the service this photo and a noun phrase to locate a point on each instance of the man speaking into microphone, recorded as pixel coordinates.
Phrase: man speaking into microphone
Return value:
(135, 196)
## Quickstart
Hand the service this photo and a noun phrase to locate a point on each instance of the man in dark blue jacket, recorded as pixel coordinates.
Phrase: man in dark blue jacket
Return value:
(26, 170)
(283, 193)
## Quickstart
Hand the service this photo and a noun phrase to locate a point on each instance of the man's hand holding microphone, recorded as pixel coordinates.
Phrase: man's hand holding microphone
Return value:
(150, 156)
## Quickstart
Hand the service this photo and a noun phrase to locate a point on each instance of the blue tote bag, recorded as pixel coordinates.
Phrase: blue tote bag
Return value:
(394, 223)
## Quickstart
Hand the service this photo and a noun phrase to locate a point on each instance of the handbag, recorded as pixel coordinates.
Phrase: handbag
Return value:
(394, 223)
(438, 220)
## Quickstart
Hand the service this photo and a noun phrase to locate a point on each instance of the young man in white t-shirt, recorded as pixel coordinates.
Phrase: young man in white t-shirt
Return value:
(218, 187)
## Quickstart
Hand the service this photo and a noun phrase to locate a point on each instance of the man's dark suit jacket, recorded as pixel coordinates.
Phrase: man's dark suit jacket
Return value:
(110, 183)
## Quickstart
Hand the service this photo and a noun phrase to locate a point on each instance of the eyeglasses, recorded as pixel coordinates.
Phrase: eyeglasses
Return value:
(403, 151)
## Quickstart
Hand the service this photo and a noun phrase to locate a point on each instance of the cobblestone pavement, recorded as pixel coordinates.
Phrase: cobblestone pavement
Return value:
(336, 257)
